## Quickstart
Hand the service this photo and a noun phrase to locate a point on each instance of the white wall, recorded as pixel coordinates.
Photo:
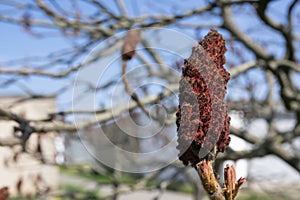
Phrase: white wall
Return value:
(24, 168)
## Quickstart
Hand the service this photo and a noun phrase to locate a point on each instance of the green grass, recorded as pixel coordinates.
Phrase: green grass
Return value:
(87, 172)
(23, 198)
(251, 196)
(179, 186)
(254, 197)
(72, 192)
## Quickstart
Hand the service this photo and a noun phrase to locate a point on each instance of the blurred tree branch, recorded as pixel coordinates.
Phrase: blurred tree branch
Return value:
(268, 47)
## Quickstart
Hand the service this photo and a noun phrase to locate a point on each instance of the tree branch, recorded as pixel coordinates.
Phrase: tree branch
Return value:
(229, 24)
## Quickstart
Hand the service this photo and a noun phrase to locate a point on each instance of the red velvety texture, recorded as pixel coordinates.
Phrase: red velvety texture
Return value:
(201, 89)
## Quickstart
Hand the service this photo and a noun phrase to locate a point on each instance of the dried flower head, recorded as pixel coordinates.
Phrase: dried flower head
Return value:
(131, 40)
(202, 119)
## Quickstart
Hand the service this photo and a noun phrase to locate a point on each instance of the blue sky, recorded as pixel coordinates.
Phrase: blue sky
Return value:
(16, 43)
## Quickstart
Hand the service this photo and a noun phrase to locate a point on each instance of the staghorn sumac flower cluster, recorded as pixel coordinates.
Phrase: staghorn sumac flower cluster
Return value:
(202, 119)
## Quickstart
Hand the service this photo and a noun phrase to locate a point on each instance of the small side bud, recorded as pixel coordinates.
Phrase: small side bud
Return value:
(207, 176)
(231, 186)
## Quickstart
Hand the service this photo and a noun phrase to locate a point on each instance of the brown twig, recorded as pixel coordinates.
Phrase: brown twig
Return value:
(128, 51)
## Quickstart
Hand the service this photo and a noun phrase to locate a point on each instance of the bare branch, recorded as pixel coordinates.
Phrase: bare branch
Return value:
(245, 39)
(235, 71)
(285, 31)
(101, 116)
(165, 20)
(121, 7)
(26, 72)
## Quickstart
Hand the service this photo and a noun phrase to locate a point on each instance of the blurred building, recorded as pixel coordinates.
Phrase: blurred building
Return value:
(26, 170)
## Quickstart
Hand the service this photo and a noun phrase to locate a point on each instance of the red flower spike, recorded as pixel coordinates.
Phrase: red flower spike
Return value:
(202, 120)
